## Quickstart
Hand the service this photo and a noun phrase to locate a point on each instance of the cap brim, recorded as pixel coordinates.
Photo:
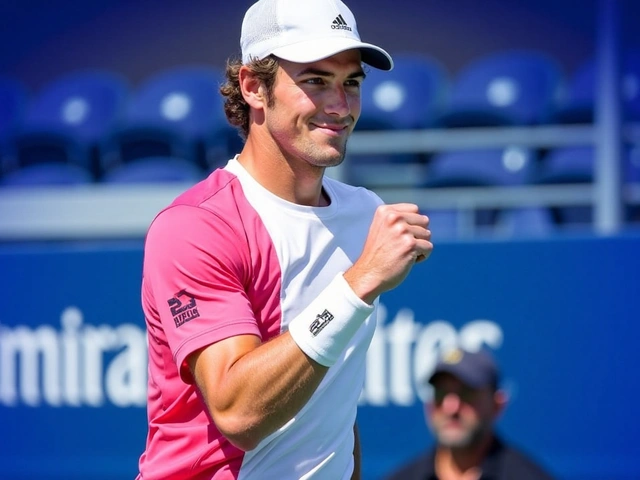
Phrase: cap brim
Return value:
(316, 49)
(460, 374)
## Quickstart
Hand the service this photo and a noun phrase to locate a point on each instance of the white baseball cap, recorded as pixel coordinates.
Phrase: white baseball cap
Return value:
(304, 31)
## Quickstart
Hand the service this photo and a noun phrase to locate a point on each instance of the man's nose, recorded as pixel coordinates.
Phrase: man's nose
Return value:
(451, 403)
(338, 103)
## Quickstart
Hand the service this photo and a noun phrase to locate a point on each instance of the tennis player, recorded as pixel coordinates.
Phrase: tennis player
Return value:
(261, 283)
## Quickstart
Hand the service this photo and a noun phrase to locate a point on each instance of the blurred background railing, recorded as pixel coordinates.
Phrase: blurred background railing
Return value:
(512, 144)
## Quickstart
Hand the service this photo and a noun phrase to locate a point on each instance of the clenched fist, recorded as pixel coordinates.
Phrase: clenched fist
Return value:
(399, 237)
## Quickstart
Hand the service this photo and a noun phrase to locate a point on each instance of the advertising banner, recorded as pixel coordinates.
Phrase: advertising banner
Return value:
(561, 316)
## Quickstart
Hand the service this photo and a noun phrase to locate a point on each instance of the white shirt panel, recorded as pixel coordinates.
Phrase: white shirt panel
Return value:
(313, 244)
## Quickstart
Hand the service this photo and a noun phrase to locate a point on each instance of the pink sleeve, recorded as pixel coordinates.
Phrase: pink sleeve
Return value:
(197, 267)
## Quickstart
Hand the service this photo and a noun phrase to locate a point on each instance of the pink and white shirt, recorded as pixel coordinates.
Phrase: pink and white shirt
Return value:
(228, 258)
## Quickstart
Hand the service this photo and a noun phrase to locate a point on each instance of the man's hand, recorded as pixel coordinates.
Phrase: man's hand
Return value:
(398, 239)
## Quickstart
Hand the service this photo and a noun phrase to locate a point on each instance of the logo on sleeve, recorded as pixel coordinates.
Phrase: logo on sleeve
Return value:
(321, 321)
(183, 308)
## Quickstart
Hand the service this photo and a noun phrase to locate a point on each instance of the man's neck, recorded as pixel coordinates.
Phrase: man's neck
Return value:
(462, 463)
(293, 181)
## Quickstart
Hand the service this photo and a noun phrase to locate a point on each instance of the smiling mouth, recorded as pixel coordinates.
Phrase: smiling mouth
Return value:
(334, 130)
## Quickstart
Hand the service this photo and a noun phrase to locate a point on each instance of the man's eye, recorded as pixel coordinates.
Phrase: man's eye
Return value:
(314, 81)
(353, 83)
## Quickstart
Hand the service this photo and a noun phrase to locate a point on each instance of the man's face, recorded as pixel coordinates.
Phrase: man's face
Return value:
(316, 106)
(460, 416)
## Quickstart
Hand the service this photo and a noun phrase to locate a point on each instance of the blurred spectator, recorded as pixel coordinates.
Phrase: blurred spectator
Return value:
(466, 403)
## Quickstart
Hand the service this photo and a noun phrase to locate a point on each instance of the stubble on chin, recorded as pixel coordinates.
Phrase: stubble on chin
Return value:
(321, 156)
(460, 439)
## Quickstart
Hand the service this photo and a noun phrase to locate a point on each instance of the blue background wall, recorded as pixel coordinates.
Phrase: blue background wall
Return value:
(43, 39)
(562, 316)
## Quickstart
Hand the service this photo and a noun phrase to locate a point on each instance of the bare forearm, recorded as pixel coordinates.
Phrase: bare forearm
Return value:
(260, 390)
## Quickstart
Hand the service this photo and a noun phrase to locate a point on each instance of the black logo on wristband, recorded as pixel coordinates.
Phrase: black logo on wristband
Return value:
(321, 321)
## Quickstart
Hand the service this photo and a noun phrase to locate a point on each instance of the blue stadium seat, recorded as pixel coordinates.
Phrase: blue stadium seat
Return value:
(462, 168)
(47, 174)
(66, 120)
(569, 165)
(385, 171)
(155, 170)
(525, 222)
(632, 169)
(515, 87)
(408, 97)
(578, 104)
(177, 112)
(511, 166)
(449, 224)
(13, 101)
(576, 165)
(445, 224)
(632, 176)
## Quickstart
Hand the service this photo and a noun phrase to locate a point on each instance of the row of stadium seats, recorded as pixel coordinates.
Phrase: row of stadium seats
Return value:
(516, 87)
(509, 166)
(513, 166)
(96, 121)
(531, 221)
(528, 222)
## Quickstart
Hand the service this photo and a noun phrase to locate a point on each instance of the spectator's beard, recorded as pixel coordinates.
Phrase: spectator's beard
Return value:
(464, 437)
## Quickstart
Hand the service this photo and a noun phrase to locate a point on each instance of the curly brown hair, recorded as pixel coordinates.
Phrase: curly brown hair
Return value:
(235, 107)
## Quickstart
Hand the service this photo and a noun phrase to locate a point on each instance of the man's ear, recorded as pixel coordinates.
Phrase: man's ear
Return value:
(251, 88)
(500, 400)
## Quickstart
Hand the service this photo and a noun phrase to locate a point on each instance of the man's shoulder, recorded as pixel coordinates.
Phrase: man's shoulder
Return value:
(211, 203)
(215, 183)
(518, 464)
(419, 468)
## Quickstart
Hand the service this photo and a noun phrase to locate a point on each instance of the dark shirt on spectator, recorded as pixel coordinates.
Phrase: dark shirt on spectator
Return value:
(501, 463)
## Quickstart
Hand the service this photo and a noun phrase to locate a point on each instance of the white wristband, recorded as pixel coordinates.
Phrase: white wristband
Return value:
(326, 326)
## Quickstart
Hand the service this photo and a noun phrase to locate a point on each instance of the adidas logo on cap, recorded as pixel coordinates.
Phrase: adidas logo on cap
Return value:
(340, 24)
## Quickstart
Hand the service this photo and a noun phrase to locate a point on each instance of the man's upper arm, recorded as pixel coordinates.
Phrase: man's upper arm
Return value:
(210, 364)
(195, 266)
